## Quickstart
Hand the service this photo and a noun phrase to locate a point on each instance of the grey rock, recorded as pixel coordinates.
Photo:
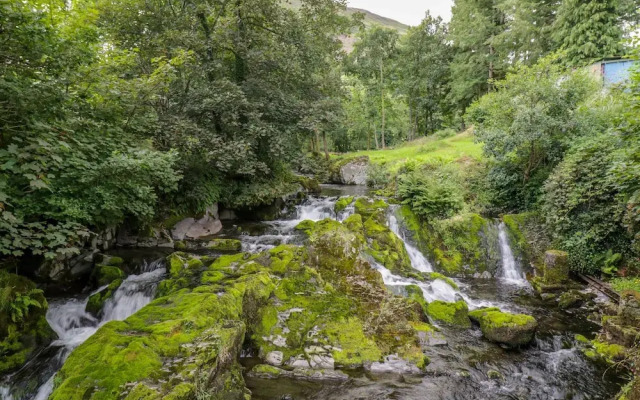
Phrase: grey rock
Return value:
(392, 365)
(274, 358)
(321, 361)
(431, 339)
(355, 172)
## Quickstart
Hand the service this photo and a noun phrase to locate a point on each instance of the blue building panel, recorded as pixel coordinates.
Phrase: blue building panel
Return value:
(615, 72)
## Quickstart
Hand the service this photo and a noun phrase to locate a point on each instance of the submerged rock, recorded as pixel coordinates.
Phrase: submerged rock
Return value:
(512, 330)
(263, 371)
(392, 365)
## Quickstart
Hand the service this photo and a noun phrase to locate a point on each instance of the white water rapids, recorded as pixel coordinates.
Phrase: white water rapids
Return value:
(73, 325)
(510, 269)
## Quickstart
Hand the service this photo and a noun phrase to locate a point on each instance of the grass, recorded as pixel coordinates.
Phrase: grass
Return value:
(428, 150)
(622, 284)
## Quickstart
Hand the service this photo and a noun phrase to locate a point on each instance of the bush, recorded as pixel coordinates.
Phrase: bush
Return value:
(432, 194)
(378, 177)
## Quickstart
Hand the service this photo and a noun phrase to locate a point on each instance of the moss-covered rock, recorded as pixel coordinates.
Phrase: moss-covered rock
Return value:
(96, 301)
(23, 326)
(556, 267)
(387, 248)
(512, 330)
(371, 208)
(343, 203)
(574, 298)
(221, 244)
(462, 245)
(449, 313)
(198, 332)
(105, 274)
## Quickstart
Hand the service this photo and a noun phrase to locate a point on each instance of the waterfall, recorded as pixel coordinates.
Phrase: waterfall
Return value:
(510, 269)
(73, 325)
(418, 260)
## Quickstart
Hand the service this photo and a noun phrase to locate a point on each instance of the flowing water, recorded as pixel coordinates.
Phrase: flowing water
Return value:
(551, 368)
(510, 268)
(67, 317)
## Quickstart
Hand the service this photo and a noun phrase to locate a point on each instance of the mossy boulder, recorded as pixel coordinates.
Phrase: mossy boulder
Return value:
(190, 338)
(371, 208)
(574, 299)
(106, 259)
(387, 248)
(105, 274)
(512, 330)
(23, 326)
(556, 267)
(221, 244)
(455, 314)
(343, 203)
(96, 301)
(601, 351)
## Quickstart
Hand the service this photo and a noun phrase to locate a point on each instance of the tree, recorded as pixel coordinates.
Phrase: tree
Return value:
(528, 124)
(474, 31)
(423, 69)
(528, 35)
(371, 61)
(588, 30)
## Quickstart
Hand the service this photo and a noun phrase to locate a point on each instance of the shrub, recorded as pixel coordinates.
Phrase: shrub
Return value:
(431, 194)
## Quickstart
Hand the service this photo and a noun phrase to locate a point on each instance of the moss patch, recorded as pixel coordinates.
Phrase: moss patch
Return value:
(449, 313)
(343, 203)
(225, 245)
(509, 329)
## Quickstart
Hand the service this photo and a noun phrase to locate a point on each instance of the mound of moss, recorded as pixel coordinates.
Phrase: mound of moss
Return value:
(455, 314)
(225, 245)
(371, 208)
(343, 203)
(105, 274)
(512, 330)
(23, 326)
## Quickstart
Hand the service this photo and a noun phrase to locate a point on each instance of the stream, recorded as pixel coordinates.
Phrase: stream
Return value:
(550, 368)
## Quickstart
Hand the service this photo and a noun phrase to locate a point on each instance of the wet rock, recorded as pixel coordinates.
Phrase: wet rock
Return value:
(431, 339)
(274, 358)
(548, 297)
(512, 330)
(629, 308)
(392, 365)
(495, 375)
(483, 275)
(574, 299)
(263, 371)
(616, 331)
(96, 301)
(321, 361)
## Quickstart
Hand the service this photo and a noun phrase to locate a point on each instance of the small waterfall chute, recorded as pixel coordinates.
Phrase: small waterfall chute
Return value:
(418, 260)
(510, 269)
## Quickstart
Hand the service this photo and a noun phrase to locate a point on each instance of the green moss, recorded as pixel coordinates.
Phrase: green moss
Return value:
(387, 248)
(609, 351)
(225, 245)
(343, 203)
(370, 208)
(265, 369)
(194, 264)
(355, 347)
(96, 301)
(354, 223)
(509, 329)
(306, 226)
(414, 293)
(105, 274)
(180, 245)
(436, 275)
(449, 313)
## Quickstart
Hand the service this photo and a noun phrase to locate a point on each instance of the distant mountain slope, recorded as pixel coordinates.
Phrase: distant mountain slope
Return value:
(372, 18)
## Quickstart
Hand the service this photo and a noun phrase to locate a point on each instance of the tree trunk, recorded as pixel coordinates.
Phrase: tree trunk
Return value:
(317, 141)
(491, 52)
(369, 137)
(375, 137)
(324, 141)
(382, 103)
(410, 123)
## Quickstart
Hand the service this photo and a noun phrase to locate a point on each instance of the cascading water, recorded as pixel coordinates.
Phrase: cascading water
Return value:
(418, 260)
(283, 231)
(73, 326)
(510, 268)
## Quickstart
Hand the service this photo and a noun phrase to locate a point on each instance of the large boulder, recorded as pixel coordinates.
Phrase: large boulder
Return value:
(350, 171)
(512, 330)
(556, 267)
(192, 228)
